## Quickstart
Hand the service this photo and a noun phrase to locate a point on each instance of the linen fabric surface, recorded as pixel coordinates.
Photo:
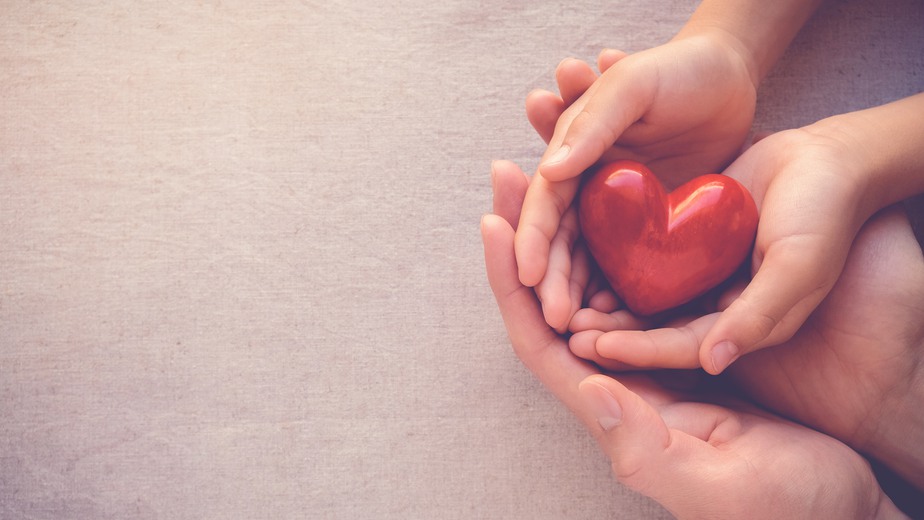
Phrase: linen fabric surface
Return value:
(240, 267)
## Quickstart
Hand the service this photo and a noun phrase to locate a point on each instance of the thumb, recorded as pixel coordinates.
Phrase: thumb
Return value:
(666, 464)
(609, 57)
(591, 125)
(632, 433)
(790, 283)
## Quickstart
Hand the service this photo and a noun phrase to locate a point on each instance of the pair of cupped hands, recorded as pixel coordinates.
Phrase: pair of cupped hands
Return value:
(821, 342)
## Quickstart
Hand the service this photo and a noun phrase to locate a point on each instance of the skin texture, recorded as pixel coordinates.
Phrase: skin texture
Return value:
(860, 346)
(814, 189)
(862, 350)
(661, 107)
(834, 284)
(667, 128)
(696, 451)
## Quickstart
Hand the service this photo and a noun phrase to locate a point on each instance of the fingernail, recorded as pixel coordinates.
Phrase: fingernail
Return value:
(722, 355)
(604, 406)
(560, 155)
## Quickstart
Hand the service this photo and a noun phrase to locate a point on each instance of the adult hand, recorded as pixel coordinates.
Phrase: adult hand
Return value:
(855, 369)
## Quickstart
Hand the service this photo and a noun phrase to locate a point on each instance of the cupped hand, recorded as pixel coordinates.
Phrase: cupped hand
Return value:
(700, 455)
(856, 368)
(849, 371)
(683, 108)
(809, 194)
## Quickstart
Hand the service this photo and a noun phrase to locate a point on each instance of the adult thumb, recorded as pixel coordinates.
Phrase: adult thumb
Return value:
(630, 431)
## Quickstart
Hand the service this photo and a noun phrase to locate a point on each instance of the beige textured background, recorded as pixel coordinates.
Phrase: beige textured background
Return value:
(240, 270)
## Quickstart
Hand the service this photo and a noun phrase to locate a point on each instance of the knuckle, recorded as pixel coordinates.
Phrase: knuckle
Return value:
(557, 200)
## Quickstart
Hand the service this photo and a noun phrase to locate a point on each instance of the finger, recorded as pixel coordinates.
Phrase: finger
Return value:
(574, 77)
(609, 57)
(509, 185)
(543, 108)
(729, 295)
(581, 276)
(598, 294)
(593, 123)
(793, 278)
(664, 449)
(545, 204)
(669, 347)
(603, 299)
(591, 319)
(537, 346)
(554, 290)
(517, 303)
(582, 346)
(588, 325)
(644, 452)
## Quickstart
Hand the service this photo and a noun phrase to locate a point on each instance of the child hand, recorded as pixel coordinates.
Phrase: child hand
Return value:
(807, 191)
(815, 187)
(662, 107)
(569, 268)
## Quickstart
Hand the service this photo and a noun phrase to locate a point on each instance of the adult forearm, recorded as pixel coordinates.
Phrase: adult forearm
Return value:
(761, 30)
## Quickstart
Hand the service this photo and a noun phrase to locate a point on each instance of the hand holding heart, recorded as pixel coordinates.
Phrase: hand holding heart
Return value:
(861, 345)
(699, 453)
(660, 107)
(855, 339)
(807, 189)
(808, 197)
(862, 349)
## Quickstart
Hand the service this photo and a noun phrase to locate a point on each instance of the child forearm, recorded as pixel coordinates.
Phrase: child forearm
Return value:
(887, 145)
(761, 30)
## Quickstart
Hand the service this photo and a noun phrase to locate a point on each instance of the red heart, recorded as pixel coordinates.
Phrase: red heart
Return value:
(661, 250)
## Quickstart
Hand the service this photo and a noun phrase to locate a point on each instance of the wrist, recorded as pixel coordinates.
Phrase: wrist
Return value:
(881, 146)
(845, 149)
(760, 30)
(725, 43)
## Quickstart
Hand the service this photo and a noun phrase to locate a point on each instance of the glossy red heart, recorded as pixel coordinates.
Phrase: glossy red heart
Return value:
(661, 250)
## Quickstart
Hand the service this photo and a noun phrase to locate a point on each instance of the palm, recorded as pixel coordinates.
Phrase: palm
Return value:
(765, 462)
(859, 346)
